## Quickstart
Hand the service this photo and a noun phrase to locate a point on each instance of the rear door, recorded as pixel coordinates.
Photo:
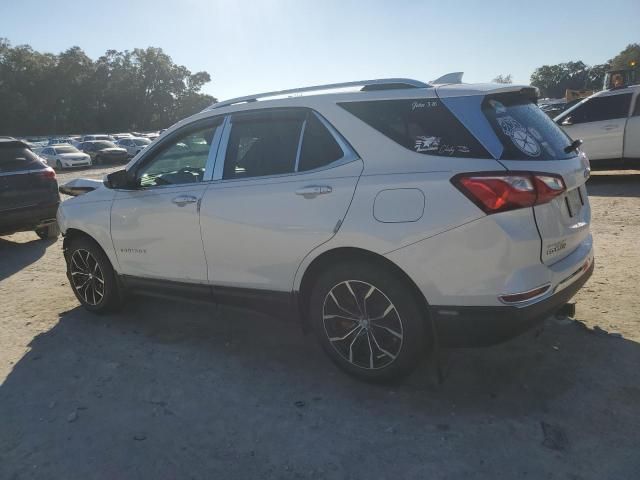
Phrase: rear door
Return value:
(284, 182)
(533, 143)
(600, 122)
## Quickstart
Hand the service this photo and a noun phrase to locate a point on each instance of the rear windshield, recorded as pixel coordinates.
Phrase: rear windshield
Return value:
(423, 125)
(15, 158)
(525, 131)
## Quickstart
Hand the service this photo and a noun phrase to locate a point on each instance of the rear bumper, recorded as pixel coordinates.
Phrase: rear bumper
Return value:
(28, 218)
(483, 326)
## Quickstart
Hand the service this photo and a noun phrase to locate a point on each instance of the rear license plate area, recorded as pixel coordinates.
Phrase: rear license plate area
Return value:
(574, 202)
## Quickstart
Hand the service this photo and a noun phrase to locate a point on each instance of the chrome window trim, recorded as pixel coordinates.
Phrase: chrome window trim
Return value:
(348, 153)
(213, 151)
(304, 125)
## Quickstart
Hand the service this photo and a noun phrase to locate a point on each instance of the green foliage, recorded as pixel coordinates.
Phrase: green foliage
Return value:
(553, 80)
(70, 93)
(625, 58)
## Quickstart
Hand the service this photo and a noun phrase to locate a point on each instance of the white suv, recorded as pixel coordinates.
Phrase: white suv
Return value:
(386, 216)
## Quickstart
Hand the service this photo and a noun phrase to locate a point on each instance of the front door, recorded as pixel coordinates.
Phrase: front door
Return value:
(600, 123)
(285, 185)
(155, 228)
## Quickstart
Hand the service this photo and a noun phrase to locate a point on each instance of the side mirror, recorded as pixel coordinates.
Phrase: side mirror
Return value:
(567, 121)
(121, 180)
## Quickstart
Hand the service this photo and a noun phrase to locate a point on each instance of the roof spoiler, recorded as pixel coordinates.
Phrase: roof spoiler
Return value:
(453, 77)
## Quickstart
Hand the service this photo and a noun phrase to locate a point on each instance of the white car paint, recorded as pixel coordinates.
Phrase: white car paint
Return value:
(611, 138)
(130, 144)
(55, 156)
(258, 233)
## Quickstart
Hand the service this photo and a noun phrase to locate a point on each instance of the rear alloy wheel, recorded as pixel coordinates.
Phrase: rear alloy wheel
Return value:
(92, 277)
(368, 322)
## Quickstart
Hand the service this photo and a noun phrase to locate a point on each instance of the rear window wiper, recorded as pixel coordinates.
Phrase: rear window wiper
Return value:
(573, 147)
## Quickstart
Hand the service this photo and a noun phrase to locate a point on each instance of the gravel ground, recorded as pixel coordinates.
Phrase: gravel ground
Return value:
(170, 391)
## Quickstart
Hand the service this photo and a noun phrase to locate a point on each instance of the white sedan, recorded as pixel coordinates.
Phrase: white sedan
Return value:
(65, 156)
(133, 145)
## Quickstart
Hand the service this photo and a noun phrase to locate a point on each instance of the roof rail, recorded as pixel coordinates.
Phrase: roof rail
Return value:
(390, 83)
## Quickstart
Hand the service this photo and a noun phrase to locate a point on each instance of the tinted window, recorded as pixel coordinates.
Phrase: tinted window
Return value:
(14, 158)
(525, 131)
(599, 109)
(68, 149)
(319, 148)
(423, 125)
(181, 160)
(263, 143)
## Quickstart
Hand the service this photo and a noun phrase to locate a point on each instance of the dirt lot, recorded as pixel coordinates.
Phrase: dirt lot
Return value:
(164, 390)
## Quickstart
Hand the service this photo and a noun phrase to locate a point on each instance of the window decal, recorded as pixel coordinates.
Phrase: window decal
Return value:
(520, 136)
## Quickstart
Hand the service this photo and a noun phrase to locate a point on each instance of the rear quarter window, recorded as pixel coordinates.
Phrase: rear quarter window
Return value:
(423, 125)
(525, 131)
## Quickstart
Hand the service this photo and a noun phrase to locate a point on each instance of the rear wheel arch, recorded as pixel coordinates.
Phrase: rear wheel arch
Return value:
(351, 254)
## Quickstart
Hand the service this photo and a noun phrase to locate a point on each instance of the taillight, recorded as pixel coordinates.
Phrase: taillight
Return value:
(499, 192)
(48, 173)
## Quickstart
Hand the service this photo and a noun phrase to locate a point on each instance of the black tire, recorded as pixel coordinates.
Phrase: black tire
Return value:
(49, 232)
(58, 165)
(102, 292)
(98, 160)
(392, 357)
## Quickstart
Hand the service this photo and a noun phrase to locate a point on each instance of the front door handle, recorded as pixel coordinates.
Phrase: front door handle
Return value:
(311, 191)
(610, 127)
(182, 200)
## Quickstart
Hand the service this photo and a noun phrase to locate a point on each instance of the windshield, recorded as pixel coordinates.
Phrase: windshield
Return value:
(68, 149)
(525, 131)
(104, 144)
(142, 141)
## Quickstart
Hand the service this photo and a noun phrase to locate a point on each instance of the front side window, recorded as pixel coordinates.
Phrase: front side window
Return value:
(598, 109)
(423, 125)
(182, 160)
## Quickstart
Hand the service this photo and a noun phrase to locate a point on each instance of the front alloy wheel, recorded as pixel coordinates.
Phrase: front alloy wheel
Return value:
(86, 277)
(91, 276)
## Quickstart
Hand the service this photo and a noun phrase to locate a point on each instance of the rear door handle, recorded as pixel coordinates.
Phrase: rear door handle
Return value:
(311, 191)
(183, 200)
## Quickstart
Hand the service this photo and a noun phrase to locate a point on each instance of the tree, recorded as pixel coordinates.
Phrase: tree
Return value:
(45, 94)
(503, 79)
(627, 58)
(554, 80)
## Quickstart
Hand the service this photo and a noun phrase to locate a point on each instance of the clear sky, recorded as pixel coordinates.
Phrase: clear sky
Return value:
(254, 46)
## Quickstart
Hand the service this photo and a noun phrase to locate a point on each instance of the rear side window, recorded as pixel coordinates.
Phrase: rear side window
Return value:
(423, 125)
(16, 158)
(263, 143)
(319, 148)
(525, 131)
(599, 109)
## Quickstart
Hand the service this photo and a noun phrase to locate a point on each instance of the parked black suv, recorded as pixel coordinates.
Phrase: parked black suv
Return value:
(104, 151)
(29, 196)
